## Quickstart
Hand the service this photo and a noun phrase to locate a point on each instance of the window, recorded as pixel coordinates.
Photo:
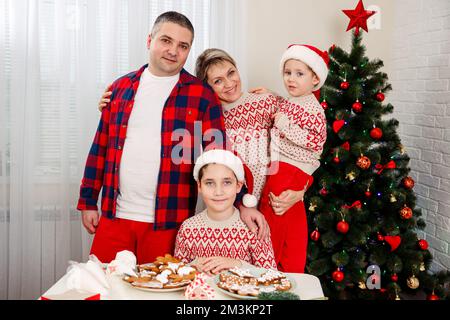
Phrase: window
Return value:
(65, 29)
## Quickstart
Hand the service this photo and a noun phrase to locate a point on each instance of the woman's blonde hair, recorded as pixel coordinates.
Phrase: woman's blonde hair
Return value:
(208, 58)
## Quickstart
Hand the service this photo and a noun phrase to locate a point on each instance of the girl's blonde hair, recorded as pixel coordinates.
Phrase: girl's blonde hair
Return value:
(208, 58)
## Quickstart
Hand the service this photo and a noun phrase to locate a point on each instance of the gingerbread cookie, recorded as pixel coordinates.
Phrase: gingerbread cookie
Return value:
(243, 273)
(243, 283)
(165, 272)
(285, 285)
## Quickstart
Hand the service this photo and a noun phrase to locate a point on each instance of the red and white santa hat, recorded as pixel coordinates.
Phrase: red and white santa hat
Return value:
(233, 162)
(316, 59)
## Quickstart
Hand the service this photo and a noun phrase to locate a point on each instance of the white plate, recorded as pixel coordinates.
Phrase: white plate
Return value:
(257, 272)
(160, 290)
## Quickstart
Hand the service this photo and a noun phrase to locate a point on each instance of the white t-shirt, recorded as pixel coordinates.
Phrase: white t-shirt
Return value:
(139, 168)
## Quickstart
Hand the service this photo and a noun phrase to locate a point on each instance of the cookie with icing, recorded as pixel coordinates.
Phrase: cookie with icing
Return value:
(285, 285)
(244, 273)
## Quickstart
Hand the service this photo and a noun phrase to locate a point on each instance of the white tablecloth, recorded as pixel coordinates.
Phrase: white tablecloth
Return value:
(307, 287)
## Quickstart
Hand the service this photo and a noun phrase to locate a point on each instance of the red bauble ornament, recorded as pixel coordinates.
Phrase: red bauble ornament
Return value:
(342, 227)
(363, 162)
(394, 277)
(315, 235)
(323, 192)
(324, 105)
(336, 160)
(357, 107)
(432, 297)
(358, 17)
(345, 85)
(368, 194)
(338, 276)
(406, 213)
(423, 244)
(380, 237)
(408, 183)
(346, 146)
(380, 96)
(376, 133)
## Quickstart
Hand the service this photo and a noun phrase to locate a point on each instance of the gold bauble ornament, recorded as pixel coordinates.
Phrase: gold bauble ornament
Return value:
(412, 282)
(422, 267)
(406, 213)
(393, 198)
(312, 207)
(363, 162)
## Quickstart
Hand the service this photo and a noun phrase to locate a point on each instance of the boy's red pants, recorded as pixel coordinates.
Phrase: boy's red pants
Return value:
(289, 232)
(115, 235)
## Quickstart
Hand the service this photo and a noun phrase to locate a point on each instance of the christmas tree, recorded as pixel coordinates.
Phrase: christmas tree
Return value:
(362, 208)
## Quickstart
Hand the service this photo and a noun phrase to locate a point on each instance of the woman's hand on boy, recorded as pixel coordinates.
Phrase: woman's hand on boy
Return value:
(259, 90)
(105, 99)
(285, 200)
(255, 221)
(215, 265)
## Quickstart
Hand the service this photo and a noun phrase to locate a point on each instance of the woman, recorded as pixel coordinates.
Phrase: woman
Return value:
(248, 118)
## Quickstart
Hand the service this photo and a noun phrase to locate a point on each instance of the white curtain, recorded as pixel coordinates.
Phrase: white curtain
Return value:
(56, 58)
(228, 21)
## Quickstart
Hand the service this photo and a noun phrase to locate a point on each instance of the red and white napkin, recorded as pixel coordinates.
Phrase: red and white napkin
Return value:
(198, 289)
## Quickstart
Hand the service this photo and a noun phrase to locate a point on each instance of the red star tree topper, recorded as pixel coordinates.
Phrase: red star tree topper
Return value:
(358, 17)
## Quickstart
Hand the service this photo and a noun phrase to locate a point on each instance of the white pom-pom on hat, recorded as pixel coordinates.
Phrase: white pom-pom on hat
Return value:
(249, 201)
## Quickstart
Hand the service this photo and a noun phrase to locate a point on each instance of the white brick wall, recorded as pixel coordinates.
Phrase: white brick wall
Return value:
(421, 99)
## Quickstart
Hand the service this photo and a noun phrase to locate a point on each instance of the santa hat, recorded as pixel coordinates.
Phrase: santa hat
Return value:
(317, 60)
(233, 162)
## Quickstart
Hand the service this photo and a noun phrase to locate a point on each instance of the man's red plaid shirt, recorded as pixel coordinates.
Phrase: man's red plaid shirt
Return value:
(190, 104)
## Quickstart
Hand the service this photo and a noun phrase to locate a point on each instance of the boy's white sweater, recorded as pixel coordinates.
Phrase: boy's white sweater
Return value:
(299, 134)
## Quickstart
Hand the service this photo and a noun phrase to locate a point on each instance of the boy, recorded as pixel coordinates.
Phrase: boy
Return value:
(217, 239)
(297, 140)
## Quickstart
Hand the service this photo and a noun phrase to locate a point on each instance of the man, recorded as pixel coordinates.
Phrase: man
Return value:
(146, 195)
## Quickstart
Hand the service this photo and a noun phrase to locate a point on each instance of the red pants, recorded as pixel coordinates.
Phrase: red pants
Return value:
(289, 232)
(116, 235)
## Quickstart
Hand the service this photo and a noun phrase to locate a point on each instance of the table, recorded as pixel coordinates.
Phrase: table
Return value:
(307, 287)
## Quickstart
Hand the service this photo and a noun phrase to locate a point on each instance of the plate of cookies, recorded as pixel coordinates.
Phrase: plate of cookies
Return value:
(165, 274)
(248, 284)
